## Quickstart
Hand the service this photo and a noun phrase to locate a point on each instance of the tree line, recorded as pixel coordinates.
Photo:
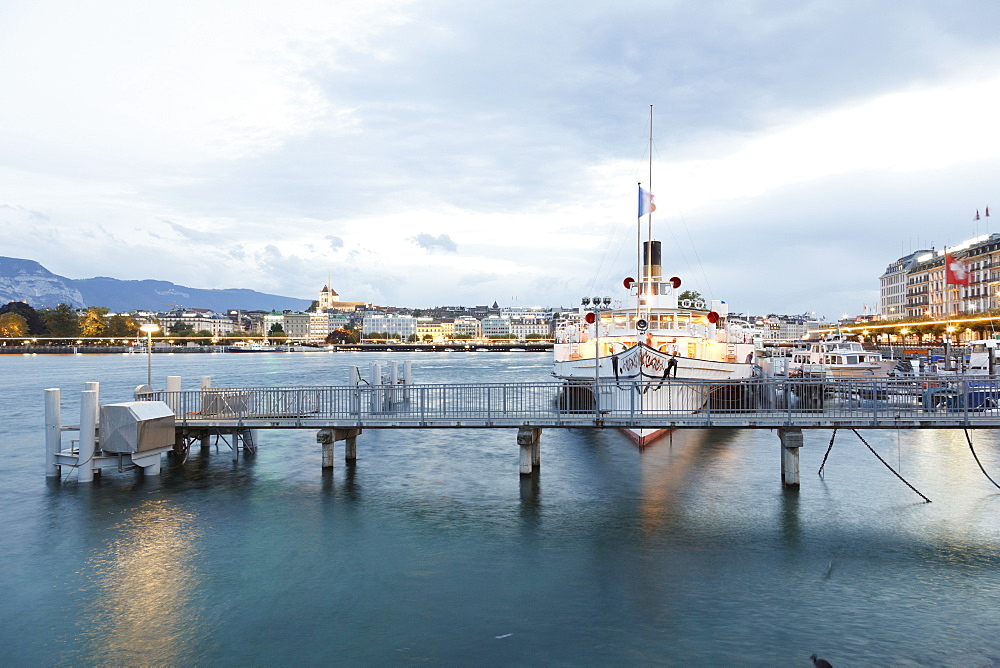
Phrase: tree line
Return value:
(20, 320)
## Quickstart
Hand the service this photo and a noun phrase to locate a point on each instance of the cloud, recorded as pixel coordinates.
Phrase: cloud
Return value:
(431, 243)
(282, 145)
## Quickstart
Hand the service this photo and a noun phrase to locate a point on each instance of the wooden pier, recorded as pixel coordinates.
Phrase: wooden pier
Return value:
(343, 413)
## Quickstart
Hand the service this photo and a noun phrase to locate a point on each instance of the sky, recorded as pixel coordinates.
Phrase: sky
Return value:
(433, 153)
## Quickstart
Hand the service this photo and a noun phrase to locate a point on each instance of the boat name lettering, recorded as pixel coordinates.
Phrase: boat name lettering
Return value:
(647, 361)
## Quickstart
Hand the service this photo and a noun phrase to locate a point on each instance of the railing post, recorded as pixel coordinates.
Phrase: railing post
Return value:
(708, 404)
(966, 396)
(597, 398)
(788, 400)
(423, 405)
(875, 400)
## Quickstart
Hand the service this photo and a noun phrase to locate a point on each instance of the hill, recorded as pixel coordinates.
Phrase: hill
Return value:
(29, 281)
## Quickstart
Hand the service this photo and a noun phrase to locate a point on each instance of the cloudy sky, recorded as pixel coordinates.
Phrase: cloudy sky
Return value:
(443, 152)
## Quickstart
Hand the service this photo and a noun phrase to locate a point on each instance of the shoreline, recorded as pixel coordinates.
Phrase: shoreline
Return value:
(339, 348)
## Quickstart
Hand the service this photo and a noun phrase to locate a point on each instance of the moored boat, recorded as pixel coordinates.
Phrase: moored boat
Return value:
(253, 347)
(838, 357)
(630, 356)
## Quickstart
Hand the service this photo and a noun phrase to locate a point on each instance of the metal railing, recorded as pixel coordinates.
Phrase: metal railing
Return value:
(946, 401)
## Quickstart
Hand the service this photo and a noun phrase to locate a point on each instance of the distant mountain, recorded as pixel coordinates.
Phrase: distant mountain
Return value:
(29, 281)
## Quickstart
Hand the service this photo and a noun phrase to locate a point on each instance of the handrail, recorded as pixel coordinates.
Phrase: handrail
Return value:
(928, 401)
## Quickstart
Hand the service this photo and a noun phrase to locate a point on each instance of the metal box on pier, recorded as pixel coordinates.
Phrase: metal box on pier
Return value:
(136, 426)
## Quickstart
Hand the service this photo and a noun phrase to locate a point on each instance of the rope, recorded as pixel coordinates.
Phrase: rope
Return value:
(889, 467)
(828, 449)
(969, 439)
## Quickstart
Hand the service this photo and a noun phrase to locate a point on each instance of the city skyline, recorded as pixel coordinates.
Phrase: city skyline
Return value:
(436, 153)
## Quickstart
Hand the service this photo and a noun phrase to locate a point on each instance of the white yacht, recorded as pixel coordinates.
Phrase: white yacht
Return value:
(838, 357)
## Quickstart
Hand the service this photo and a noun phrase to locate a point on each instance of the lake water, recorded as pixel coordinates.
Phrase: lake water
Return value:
(432, 549)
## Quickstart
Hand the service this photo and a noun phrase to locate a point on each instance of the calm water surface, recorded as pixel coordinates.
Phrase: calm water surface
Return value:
(432, 550)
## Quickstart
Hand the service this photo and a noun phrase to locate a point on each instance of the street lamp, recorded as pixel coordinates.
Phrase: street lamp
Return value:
(149, 328)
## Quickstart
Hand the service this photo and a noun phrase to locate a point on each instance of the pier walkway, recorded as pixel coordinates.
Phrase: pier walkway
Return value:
(767, 403)
(342, 413)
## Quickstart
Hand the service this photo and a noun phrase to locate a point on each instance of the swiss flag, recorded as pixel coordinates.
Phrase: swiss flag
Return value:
(955, 272)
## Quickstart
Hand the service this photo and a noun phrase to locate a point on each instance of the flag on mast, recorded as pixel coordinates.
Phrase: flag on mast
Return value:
(977, 214)
(646, 203)
(955, 272)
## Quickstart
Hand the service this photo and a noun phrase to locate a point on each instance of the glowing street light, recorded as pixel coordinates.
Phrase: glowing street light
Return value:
(149, 328)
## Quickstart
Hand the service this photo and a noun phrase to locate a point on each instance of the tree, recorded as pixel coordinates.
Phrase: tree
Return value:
(124, 326)
(693, 295)
(35, 325)
(276, 331)
(62, 321)
(181, 328)
(13, 325)
(93, 322)
(312, 307)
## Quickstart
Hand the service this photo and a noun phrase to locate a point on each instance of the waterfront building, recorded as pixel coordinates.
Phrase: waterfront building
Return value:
(785, 328)
(392, 325)
(893, 285)
(914, 286)
(296, 325)
(429, 329)
(196, 320)
(496, 327)
(324, 323)
(533, 324)
(268, 320)
(469, 328)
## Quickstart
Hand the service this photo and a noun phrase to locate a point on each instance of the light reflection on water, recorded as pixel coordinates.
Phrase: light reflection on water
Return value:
(432, 546)
(138, 604)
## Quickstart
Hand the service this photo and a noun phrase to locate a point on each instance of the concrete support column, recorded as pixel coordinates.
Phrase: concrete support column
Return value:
(325, 438)
(527, 440)
(88, 433)
(791, 441)
(53, 432)
(235, 436)
(351, 450)
(206, 440)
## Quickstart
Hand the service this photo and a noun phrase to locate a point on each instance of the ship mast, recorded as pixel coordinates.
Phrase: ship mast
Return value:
(643, 288)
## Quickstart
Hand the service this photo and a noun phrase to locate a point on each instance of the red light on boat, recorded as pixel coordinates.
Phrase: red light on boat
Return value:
(628, 282)
(676, 282)
(590, 318)
(713, 317)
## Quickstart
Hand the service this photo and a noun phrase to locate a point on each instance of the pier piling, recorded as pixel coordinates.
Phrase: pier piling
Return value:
(53, 432)
(791, 441)
(528, 439)
(328, 437)
(88, 435)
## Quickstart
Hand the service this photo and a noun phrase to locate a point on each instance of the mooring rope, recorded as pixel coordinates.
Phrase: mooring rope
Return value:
(889, 467)
(969, 439)
(828, 449)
